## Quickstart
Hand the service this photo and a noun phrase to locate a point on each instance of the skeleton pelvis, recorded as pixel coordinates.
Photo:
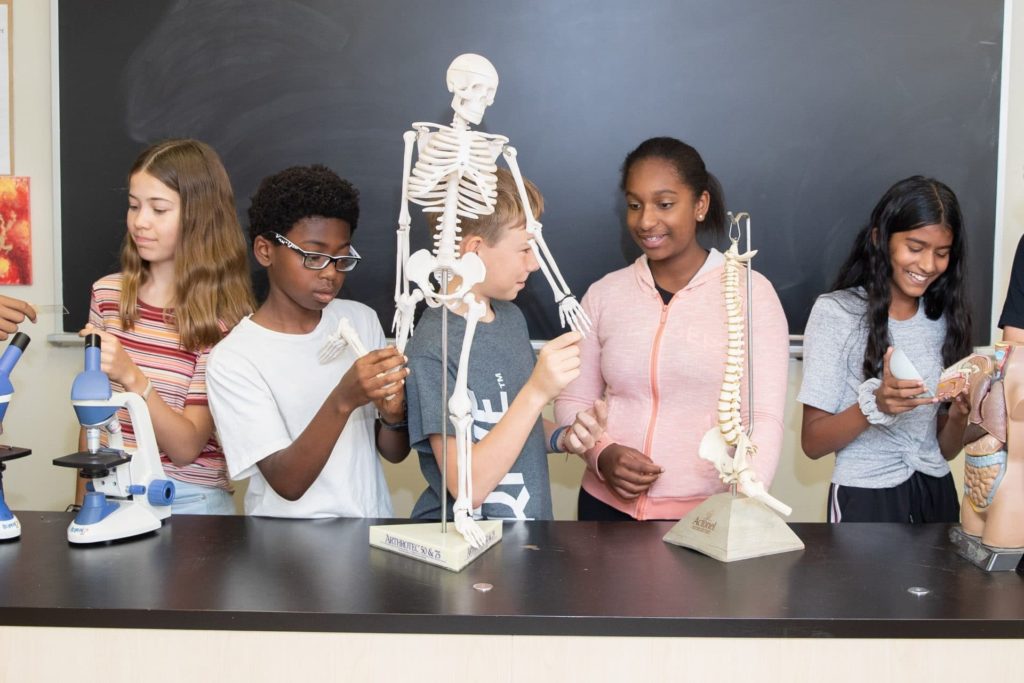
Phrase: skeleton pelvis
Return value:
(423, 265)
(715, 450)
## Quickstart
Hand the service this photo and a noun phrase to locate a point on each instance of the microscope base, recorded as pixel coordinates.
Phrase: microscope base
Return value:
(130, 519)
(10, 529)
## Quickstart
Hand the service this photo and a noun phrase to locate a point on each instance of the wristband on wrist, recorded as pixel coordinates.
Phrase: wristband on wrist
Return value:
(148, 390)
(400, 426)
(869, 403)
(555, 437)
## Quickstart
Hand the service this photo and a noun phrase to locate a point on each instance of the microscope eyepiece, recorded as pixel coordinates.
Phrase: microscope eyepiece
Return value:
(92, 340)
(20, 340)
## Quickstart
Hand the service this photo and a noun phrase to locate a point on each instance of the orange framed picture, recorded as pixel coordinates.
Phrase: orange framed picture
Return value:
(15, 231)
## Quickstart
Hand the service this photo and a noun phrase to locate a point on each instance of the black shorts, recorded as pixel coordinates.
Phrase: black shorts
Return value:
(920, 499)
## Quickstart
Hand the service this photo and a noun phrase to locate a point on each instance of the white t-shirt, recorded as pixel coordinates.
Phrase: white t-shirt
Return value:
(264, 389)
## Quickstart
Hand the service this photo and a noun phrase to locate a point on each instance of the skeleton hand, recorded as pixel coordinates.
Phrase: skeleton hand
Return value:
(586, 429)
(572, 314)
(467, 526)
(405, 310)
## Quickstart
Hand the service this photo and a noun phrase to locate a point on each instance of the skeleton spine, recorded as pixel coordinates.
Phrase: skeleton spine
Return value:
(729, 420)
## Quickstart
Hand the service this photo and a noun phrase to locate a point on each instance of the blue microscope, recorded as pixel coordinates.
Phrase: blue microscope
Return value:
(10, 527)
(127, 494)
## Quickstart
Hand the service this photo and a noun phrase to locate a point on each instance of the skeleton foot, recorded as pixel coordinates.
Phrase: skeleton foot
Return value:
(344, 335)
(467, 526)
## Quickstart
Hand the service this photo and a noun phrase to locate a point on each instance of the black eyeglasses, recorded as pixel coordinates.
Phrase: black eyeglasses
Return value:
(314, 260)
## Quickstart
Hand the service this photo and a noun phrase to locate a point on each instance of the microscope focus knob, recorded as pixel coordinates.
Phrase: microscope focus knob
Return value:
(161, 492)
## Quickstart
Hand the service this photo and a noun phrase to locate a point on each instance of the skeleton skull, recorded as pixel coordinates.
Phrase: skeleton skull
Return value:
(473, 80)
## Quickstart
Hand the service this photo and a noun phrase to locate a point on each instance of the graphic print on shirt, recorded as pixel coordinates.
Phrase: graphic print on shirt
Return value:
(511, 492)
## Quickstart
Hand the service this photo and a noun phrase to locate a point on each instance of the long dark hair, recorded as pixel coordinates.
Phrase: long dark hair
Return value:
(692, 172)
(910, 204)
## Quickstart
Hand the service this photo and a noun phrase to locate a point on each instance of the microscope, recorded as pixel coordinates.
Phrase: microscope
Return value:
(10, 527)
(127, 494)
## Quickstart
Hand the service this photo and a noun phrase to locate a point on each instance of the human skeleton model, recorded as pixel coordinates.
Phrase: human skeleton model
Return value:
(454, 176)
(729, 433)
(993, 505)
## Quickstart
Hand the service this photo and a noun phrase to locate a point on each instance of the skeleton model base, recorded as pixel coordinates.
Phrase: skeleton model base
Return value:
(729, 527)
(427, 543)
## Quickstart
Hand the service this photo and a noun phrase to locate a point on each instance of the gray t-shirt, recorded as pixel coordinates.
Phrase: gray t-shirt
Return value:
(499, 365)
(834, 343)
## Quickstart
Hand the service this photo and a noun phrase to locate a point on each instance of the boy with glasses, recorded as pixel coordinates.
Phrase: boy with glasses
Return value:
(304, 426)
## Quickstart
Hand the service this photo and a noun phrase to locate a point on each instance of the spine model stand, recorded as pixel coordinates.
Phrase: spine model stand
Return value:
(737, 469)
(454, 176)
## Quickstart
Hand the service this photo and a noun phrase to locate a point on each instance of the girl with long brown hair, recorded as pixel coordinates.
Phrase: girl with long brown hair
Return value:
(184, 282)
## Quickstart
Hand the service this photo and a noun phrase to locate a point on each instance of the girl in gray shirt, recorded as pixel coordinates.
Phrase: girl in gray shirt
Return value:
(902, 286)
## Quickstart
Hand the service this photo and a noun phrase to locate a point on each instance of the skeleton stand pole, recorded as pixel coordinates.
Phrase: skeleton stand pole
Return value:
(750, 338)
(444, 406)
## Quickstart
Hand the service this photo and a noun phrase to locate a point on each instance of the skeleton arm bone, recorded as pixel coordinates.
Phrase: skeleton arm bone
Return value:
(402, 322)
(569, 310)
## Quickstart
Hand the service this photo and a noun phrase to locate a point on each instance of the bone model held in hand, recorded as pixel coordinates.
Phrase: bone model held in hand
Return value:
(729, 433)
(344, 335)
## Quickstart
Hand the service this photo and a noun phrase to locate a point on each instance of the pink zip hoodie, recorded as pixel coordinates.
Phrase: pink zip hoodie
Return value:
(660, 367)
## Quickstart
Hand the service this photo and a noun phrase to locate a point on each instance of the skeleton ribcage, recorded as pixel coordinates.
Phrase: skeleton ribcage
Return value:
(455, 156)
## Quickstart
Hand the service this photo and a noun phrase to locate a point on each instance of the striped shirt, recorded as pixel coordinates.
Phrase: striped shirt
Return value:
(179, 376)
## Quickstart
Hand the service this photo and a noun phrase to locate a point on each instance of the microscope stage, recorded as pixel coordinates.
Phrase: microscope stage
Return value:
(12, 452)
(105, 458)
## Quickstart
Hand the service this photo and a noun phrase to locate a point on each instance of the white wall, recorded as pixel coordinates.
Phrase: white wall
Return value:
(41, 418)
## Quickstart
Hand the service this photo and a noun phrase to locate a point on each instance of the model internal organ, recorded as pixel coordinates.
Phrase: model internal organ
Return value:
(454, 177)
(994, 447)
(735, 468)
(956, 378)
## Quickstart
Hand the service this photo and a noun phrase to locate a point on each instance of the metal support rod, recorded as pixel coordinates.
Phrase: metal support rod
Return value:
(444, 405)
(750, 336)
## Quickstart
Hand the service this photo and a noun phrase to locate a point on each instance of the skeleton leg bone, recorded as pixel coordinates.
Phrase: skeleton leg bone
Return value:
(460, 409)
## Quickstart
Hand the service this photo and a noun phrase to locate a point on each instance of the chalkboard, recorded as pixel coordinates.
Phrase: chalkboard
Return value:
(805, 110)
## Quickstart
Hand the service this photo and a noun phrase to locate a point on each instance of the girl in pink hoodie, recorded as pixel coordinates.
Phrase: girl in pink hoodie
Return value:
(658, 349)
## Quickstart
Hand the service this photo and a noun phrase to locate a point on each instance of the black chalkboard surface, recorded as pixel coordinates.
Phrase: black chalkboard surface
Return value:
(805, 110)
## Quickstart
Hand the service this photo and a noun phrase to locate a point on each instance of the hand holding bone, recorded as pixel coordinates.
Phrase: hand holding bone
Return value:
(586, 429)
(558, 364)
(373, 378)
